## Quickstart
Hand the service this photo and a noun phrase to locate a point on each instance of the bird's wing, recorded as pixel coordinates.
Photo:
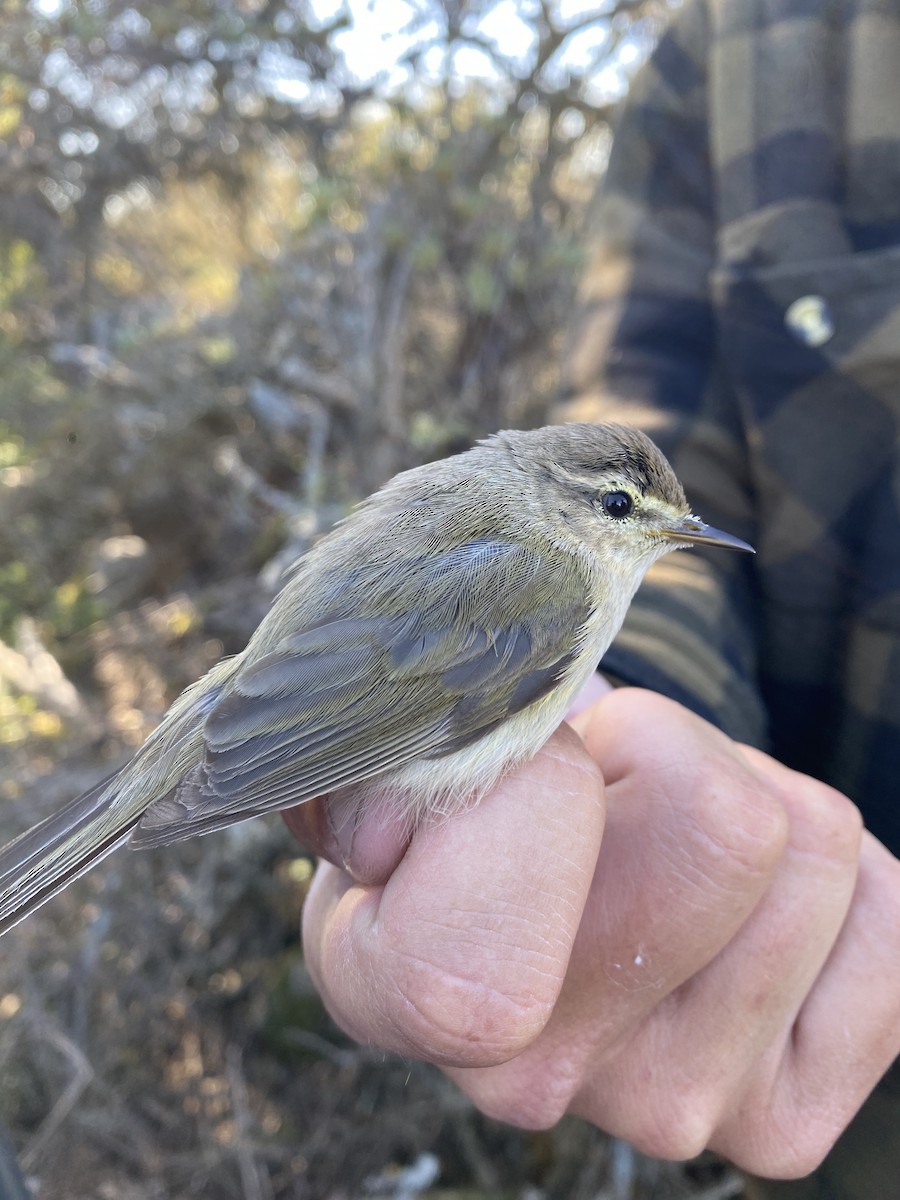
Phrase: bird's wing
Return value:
(25, 880)
(412, 674)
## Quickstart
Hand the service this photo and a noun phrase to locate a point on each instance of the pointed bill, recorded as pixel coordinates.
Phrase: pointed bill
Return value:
(692, 531)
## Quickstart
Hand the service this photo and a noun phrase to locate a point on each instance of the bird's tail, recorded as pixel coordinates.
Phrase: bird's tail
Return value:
(47, 857)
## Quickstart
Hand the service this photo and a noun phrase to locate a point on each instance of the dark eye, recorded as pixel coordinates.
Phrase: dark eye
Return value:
(617, 505)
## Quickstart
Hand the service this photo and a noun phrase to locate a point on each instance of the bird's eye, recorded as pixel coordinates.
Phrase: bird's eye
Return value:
(617, 505)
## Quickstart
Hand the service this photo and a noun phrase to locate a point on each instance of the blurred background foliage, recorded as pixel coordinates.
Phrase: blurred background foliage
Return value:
(255, 256)
(263, 248)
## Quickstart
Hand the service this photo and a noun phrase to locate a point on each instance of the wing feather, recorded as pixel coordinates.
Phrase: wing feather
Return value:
(409, 673)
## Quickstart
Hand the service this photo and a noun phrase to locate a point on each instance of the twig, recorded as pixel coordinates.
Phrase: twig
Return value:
(305, 1039)
(622, 1169)
(729, 1188)
(12, 1185)
(82, 1076)
(254, 1183)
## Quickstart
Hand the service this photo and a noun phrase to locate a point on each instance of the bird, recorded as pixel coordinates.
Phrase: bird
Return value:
(427, 645)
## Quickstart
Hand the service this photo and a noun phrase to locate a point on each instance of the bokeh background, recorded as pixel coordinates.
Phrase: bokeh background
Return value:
(255, 257)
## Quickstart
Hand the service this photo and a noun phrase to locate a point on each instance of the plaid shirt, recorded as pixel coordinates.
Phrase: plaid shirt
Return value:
(743, 306)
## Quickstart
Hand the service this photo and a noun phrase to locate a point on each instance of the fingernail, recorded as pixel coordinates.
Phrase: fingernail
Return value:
(312, 825)
(342, 816)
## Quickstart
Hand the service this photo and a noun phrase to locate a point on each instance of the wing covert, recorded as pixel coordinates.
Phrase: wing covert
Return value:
(411, 673)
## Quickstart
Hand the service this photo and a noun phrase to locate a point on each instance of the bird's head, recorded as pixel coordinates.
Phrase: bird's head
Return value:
(612, 488)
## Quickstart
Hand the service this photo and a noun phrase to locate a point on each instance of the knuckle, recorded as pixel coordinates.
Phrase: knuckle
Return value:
(676, 1132)
(740, 832)
(832, 824)
(458, 1020)
(844, 818)
(534, 1100)
(784, 1131)
(785, 1152)
(882, 883)
(749, 827)
(794, 1165)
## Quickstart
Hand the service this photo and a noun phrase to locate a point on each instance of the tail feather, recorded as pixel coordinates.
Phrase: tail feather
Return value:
(43, 860)
(47, 857)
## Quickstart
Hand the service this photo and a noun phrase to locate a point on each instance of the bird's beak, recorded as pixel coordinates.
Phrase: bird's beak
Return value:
(692, 530)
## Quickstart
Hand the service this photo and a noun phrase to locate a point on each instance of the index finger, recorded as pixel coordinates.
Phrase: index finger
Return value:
(694, 836)
(459, 958)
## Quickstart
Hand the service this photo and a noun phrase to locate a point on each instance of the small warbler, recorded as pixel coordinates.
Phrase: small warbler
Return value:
(432, 641)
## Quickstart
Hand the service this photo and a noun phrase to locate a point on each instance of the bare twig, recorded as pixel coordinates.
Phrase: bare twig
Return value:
(82, 1074)
(255, 1183)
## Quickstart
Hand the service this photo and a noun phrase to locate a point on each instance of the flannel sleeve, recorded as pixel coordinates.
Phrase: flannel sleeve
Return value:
(643, 350)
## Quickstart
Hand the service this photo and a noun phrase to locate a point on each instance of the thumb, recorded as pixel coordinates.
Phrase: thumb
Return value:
(460, 957)
(365, 841)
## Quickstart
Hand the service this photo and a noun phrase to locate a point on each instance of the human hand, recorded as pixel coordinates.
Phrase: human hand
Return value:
(722, 971)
